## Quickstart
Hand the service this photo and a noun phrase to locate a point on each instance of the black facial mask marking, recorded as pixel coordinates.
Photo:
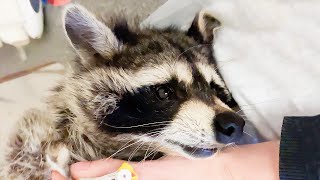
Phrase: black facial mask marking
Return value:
(147, 110)
(145, 107)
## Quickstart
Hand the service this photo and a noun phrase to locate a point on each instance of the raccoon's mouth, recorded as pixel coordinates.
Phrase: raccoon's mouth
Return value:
(197, 152)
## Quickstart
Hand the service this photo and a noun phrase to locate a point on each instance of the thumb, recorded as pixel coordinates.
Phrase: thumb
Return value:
(94, 168)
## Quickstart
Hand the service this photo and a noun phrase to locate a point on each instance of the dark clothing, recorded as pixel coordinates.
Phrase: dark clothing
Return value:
(300, 148)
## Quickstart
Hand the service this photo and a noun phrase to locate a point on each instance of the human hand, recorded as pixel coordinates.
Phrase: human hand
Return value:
(259, 161)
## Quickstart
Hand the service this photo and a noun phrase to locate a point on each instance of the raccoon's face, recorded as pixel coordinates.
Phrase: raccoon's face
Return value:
(158, 87)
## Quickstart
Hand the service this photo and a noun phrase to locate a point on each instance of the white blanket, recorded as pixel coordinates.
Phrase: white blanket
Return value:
(268, 52)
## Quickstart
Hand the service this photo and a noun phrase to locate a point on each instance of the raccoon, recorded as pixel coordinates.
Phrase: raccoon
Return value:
(133, 94)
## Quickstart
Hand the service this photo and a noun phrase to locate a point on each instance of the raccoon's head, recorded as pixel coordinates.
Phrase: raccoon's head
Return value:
(159, 87)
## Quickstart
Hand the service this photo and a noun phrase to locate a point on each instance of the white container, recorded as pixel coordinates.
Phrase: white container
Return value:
(20, 20)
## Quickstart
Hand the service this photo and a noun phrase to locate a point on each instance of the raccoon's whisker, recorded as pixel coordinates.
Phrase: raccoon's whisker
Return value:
(135, 150)
(261, 102)
(232, 145)
(194, 150)
(156, 132)
(154, 150)
(248, 134)
(185, 124)
(154, 154)
(231, 140)
(125, 146)
(192, 48)
(246, 109)
(145, 155)
(245, 118)
(151, 134)
(242, 115)
(239, 111)
(258, 103)
(249, 109)
(218, 151)
(140, 125)
(225, 61)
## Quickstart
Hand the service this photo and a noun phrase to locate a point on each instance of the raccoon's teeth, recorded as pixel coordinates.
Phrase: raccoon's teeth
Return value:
(195, 151)
(199, 152)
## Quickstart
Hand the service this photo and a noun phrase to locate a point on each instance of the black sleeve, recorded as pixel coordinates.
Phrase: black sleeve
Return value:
(300, 148)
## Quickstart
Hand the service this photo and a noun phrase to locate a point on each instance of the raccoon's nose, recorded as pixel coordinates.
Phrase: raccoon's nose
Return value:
(228, 127)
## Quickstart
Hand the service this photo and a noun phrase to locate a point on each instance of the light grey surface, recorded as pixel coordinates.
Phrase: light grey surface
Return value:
(53, 46)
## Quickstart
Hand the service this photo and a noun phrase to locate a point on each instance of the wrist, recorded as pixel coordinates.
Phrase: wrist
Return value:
(250, 161)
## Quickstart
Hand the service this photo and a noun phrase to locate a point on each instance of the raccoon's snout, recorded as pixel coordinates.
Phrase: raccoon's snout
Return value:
(228, 127)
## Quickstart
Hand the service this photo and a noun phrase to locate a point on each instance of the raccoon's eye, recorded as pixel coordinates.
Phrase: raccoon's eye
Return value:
(164, 92)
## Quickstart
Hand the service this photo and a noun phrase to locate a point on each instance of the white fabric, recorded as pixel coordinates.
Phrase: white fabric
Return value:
(33, 21)
(18, 22)
(268, 52)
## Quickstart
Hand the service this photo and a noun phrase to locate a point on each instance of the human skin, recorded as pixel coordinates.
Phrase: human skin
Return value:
(258, 161)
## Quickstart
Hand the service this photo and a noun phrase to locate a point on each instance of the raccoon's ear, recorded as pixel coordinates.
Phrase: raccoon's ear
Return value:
(88, 35)
(203, 26)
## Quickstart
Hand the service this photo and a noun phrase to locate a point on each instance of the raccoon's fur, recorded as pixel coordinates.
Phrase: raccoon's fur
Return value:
(132, 94)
